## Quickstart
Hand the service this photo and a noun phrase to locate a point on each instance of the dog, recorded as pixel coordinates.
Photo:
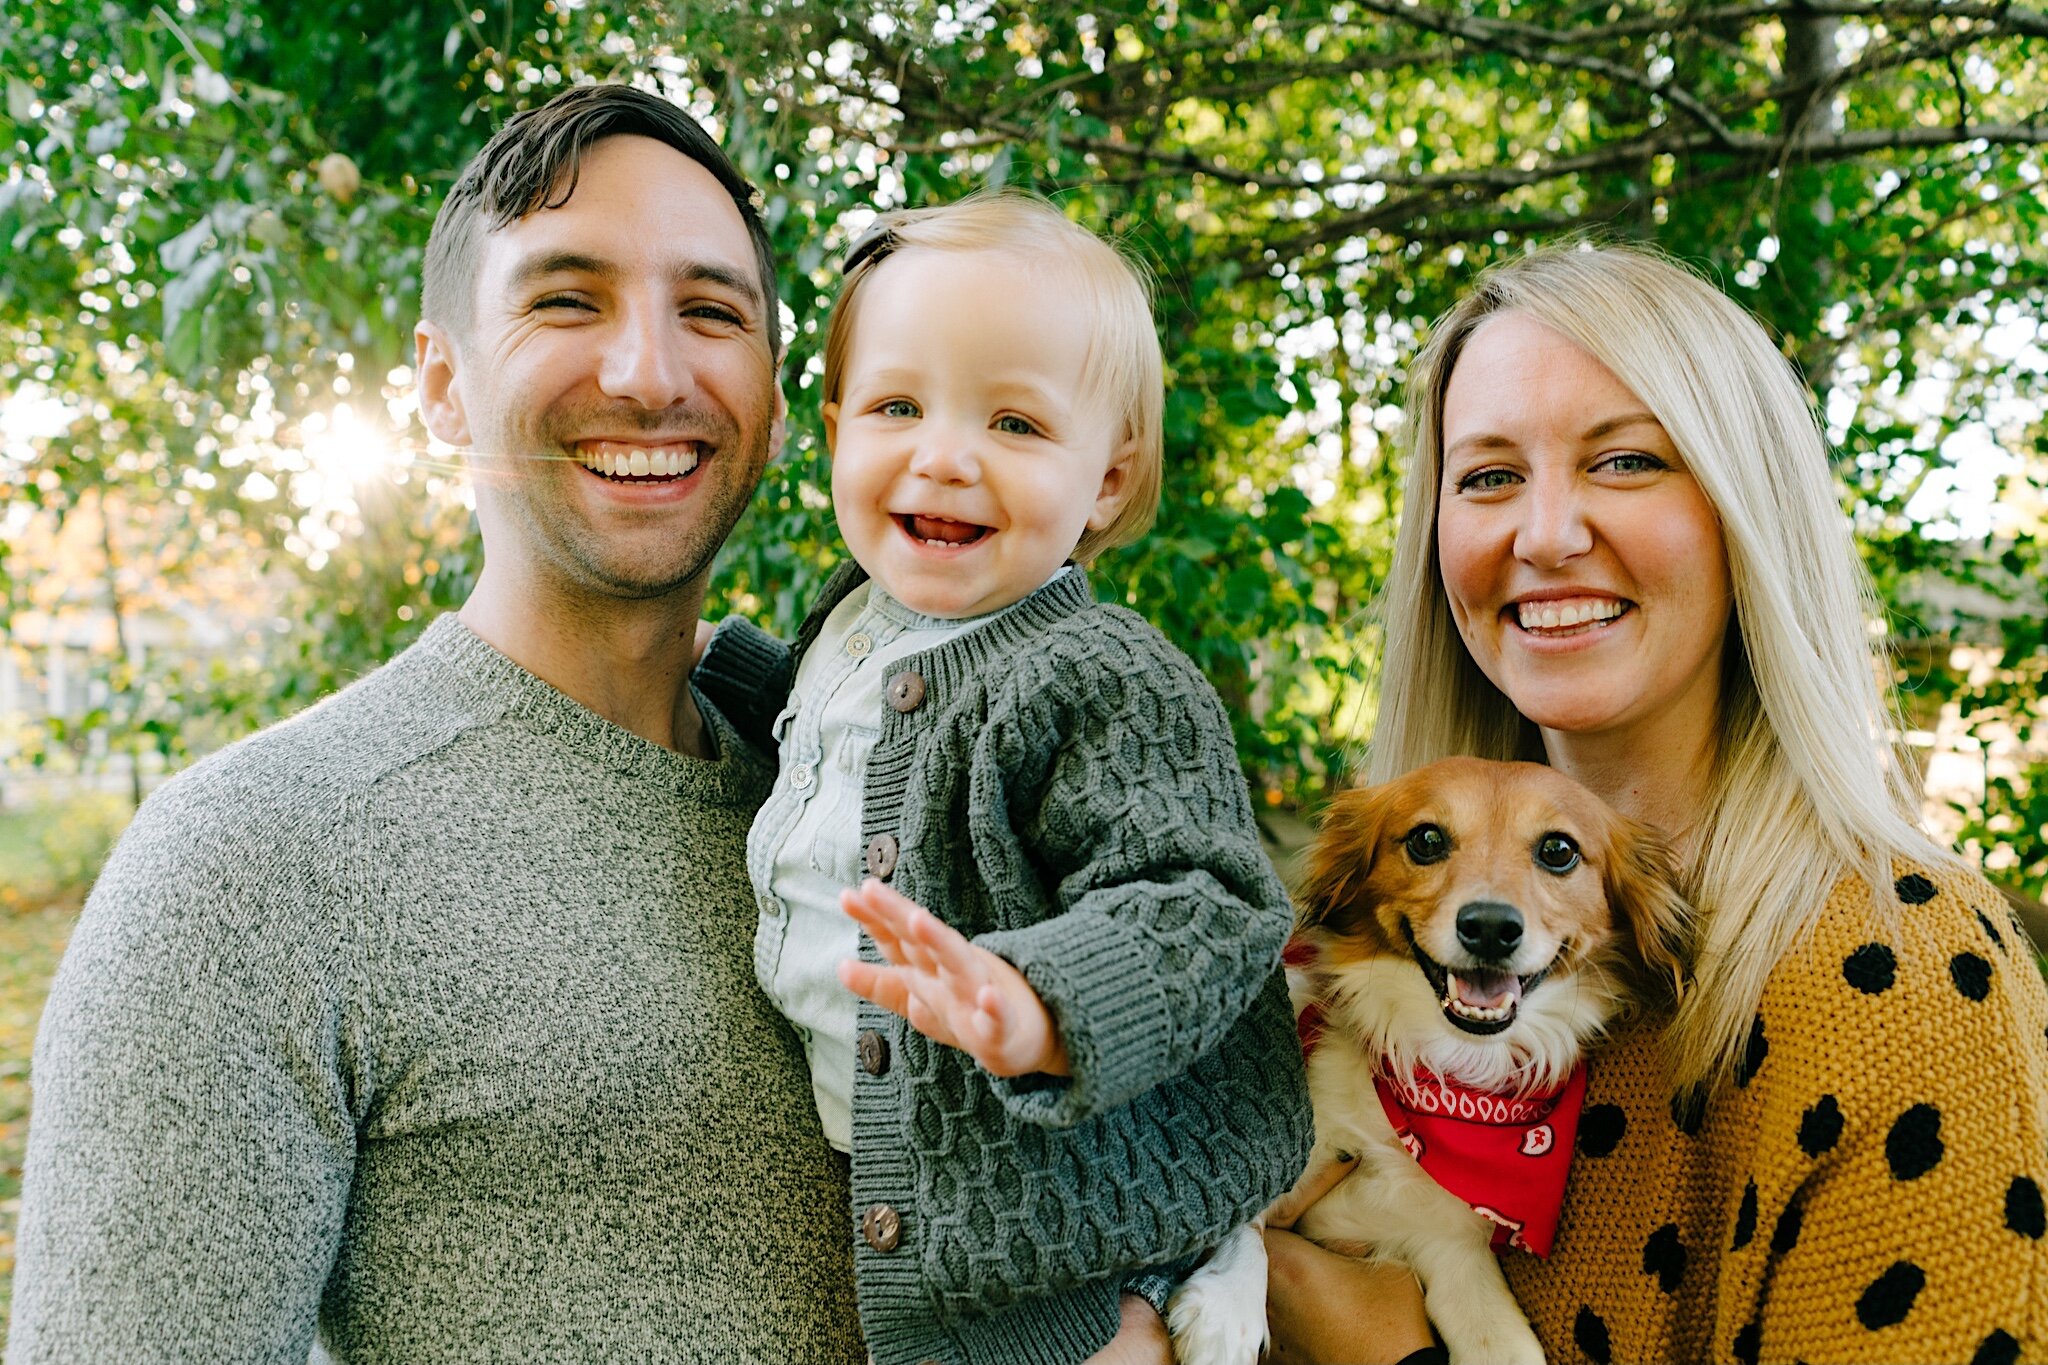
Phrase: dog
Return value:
(1463, 933)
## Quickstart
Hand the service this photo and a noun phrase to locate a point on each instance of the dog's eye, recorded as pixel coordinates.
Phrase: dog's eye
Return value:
(1557, 853)
(1427, 844)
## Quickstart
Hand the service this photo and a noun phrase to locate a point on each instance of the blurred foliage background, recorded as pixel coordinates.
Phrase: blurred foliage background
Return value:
(220, 504)
(217, 503)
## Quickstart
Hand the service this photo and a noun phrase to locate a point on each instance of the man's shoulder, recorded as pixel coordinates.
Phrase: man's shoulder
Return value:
(308, 767)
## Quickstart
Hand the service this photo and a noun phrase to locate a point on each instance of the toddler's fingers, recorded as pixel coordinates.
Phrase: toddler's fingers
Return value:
(885, 986)
(884, 929)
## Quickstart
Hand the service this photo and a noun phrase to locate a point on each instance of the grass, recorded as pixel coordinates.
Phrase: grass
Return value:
(31, 941)
(48, 856)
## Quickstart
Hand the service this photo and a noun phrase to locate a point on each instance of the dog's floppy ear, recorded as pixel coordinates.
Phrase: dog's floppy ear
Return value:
(1642, 890)
(1333, 893)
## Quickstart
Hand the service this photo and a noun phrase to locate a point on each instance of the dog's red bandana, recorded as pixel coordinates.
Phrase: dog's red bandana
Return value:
(1505, 1155)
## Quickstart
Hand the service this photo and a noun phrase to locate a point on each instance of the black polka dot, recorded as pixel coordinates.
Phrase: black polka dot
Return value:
(1972, 975)
(1914, 889)
(1600, 1129)
(1913, 1146)
(1991, 930)
(1753, 1053)
(2000, 1348)
(1871, 969)
(1664, 1257)
(2023, 1211)
(1785, 1235)
(1748, 1344)
(1591, 1335)
(1820, 1127)
(1890, 1296)
(1689, 1109)
(1745, 1218)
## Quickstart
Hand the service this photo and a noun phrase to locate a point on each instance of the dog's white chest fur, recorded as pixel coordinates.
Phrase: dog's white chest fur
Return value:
(1388, 1208)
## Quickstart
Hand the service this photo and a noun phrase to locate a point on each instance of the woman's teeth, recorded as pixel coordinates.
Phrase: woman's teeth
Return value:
(1567, 613)
(639, 462)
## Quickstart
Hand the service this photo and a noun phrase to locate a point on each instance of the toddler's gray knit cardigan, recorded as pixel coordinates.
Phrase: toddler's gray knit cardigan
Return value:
(1061, 785)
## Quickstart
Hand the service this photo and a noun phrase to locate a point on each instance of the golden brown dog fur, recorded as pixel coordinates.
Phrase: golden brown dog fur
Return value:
(1593, 939)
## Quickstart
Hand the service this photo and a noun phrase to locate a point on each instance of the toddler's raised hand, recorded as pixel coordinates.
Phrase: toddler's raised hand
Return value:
(951, 991)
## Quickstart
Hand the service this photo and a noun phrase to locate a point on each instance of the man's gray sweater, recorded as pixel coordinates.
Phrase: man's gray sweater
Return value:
(426, 1021)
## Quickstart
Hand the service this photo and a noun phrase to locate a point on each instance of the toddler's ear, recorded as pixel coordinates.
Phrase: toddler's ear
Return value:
(830, 412)
(1109, 499)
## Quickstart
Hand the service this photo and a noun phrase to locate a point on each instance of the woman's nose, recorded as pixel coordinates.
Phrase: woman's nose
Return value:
(646, 359)
(1554, 528)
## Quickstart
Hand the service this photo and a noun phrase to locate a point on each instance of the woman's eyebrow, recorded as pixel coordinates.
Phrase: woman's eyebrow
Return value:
(1620, 423)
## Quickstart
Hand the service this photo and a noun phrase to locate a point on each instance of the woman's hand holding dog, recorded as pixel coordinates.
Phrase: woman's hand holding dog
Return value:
(951, 991)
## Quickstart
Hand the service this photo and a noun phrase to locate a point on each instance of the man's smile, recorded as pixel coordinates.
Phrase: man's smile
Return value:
(631, 460)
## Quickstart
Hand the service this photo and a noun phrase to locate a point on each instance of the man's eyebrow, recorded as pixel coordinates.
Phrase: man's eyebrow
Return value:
(710, 272)
(536, 268)
(562, 263)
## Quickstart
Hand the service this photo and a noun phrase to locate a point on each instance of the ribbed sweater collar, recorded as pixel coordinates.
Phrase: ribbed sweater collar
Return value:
(493, 684)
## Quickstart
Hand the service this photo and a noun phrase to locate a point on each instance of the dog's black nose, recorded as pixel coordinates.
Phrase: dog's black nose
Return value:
(1489, 930)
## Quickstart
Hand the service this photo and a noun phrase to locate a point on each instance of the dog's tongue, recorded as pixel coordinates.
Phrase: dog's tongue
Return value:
(1486, 990)
(939, 528)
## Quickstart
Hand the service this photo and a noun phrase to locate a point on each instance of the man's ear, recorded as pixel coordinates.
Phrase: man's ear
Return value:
(778, 427)
(1109, 498)
(830, 412)
(441, 404)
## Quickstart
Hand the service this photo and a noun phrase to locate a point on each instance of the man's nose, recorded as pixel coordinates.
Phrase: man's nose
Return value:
(646, 359)
(1554, 529)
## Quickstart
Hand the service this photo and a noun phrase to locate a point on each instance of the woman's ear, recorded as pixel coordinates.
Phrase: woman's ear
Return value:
(1641, 879)
(1333, 893)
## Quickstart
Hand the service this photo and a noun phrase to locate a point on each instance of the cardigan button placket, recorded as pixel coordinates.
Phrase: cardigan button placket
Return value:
(872, 1050)
(906, 691)
(882, 856)
(882, 1227)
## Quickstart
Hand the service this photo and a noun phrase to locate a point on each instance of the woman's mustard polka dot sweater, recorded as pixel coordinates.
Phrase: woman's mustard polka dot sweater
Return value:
(1869, 1185)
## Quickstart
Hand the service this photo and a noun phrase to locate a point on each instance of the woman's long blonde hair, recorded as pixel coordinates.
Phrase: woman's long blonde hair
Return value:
(1809, 783)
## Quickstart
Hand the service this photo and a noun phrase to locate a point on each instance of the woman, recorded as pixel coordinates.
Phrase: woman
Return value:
(1622, 553)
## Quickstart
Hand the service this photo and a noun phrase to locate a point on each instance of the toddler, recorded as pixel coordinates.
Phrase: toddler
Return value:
(1011, 817)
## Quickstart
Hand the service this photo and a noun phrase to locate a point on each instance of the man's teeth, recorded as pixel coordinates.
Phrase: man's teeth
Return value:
(639, 462)
(1571, 611)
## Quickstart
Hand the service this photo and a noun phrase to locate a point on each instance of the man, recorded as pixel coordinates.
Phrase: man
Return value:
(424, 1024)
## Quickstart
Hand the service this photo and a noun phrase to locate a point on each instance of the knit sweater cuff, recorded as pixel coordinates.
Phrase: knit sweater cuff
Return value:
(745, 673)
(1099, 984)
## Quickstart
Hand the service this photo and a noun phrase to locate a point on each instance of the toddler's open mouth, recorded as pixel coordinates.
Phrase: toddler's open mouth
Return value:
(942, 533)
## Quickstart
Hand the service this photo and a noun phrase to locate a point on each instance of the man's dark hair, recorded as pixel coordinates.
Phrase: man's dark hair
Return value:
(532, 163)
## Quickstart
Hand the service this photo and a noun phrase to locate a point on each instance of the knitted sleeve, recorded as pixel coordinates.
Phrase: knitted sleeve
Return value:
(746, 673)
(192, 1141)
(1898, 1078)
(1171, 918)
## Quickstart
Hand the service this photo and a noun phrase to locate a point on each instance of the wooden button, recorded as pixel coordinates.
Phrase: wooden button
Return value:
(882, 1228)
(882, 856)
(906, 691)
(872, 1050)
